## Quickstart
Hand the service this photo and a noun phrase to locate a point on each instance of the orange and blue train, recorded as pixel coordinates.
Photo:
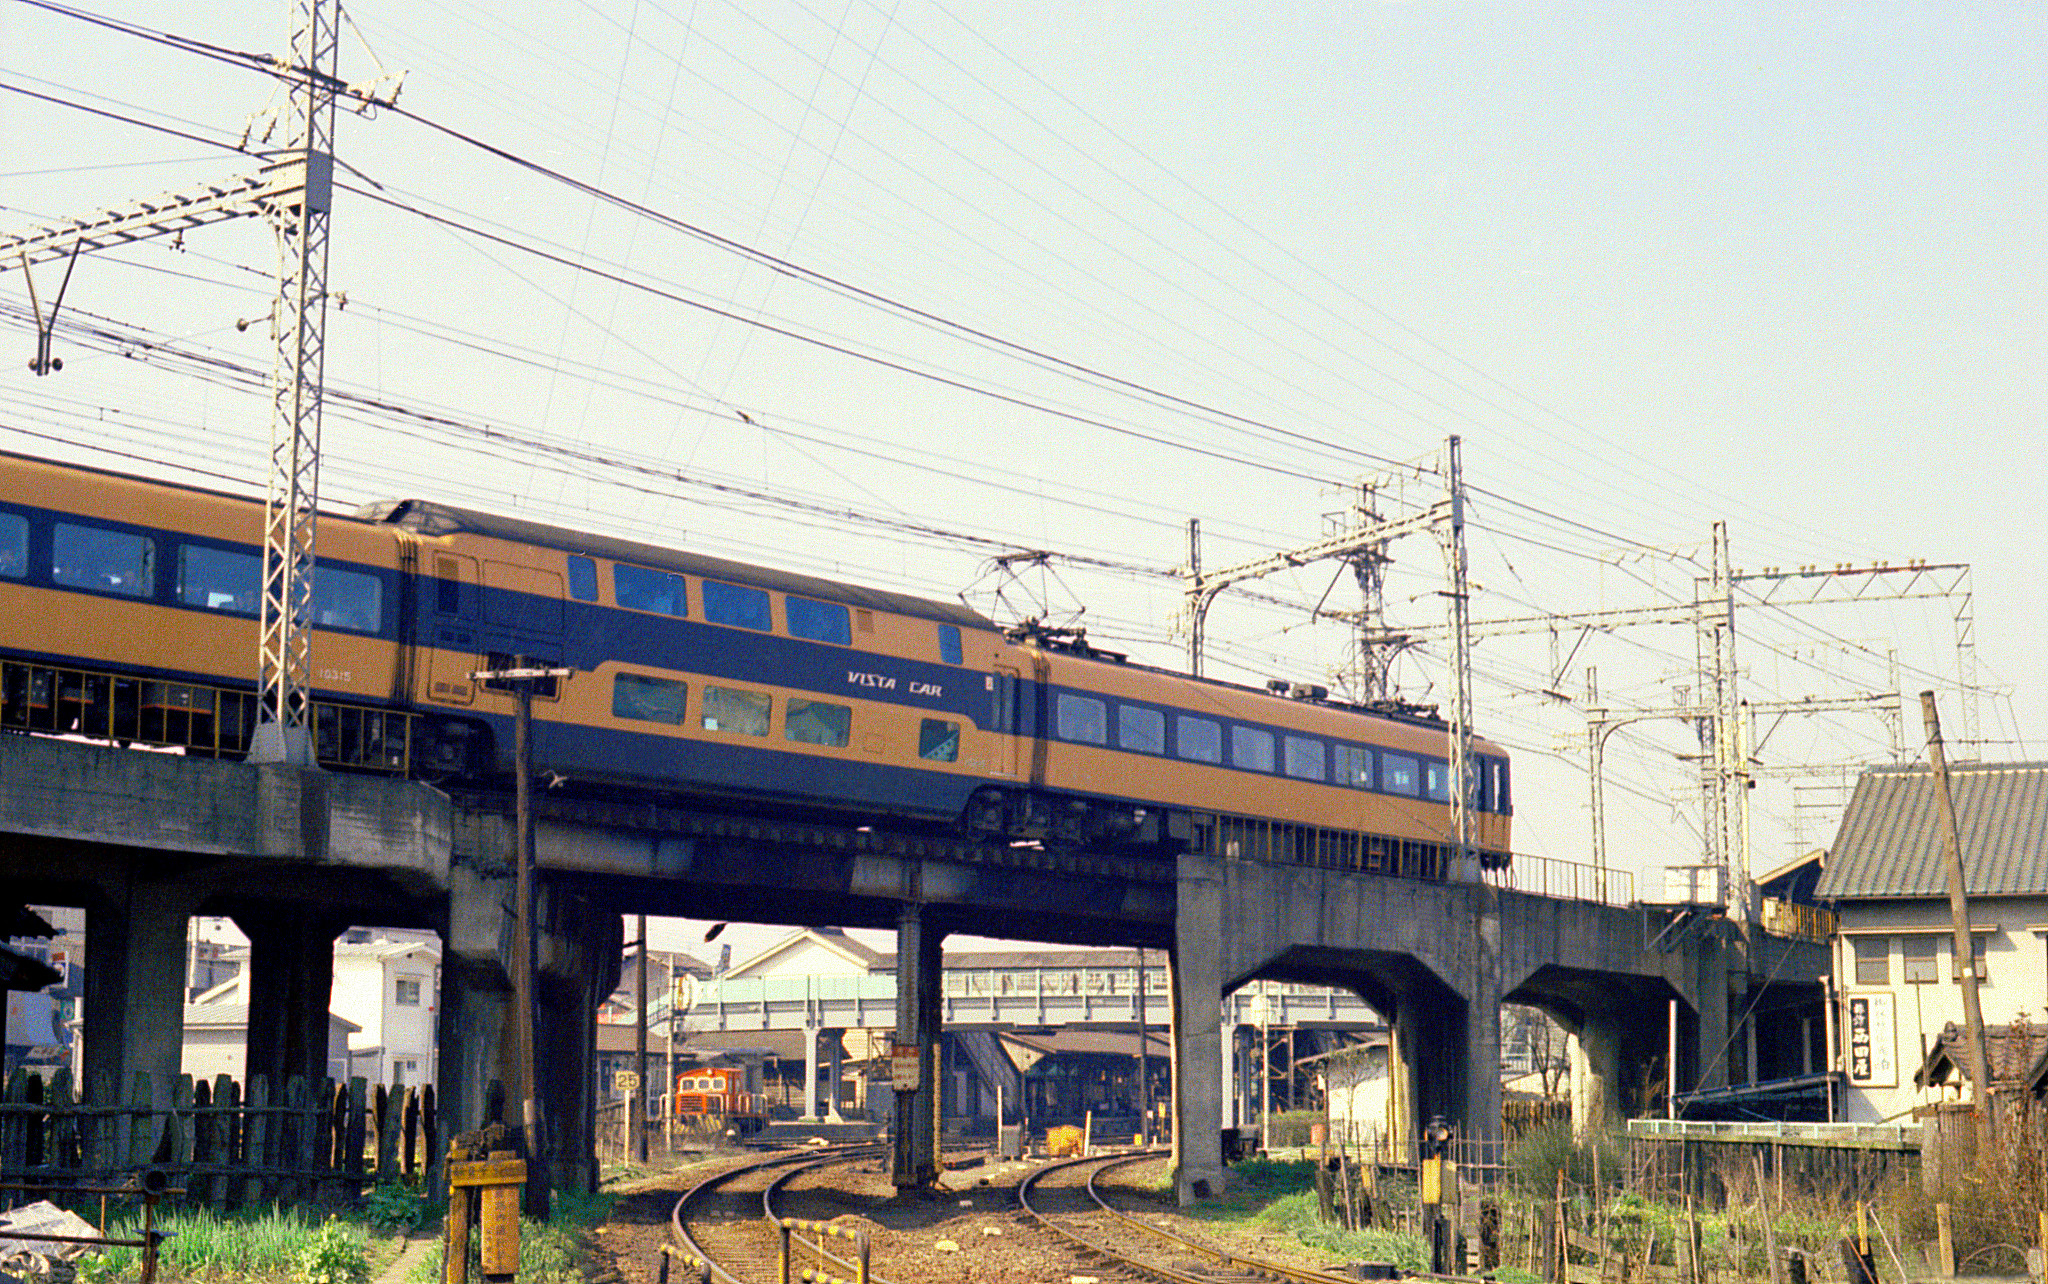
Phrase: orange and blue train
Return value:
(128, 612)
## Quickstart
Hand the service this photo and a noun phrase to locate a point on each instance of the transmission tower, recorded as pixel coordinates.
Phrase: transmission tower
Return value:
(294, 192)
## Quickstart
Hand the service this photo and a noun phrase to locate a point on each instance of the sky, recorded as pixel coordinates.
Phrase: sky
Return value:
(884, 290)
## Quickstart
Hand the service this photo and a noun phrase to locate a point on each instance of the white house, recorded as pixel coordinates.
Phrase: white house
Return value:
(216, 1037)
(389, 984)
(1895, 977)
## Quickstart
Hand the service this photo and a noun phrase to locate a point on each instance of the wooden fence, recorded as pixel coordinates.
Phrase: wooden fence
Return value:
(1714, 1161)
(320, 1143)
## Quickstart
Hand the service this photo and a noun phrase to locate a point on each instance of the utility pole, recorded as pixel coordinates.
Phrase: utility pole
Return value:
(1144, 1066)
(636, 1117)
(522, 680)
(295, 191)
(1959, 917)
(1457, 601)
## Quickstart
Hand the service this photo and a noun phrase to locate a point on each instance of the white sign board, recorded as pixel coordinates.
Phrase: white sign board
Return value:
(1872, 1041)
(625, 1080)
(906, 1067)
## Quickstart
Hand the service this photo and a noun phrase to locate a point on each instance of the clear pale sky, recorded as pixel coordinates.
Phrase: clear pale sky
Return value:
(1658, 266)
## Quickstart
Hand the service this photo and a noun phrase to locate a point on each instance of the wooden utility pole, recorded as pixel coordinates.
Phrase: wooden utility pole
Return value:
(522, 679)
(636, 1100)
(1959, 914)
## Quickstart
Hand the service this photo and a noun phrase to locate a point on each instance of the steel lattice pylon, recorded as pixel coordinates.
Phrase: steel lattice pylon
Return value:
(285, 662)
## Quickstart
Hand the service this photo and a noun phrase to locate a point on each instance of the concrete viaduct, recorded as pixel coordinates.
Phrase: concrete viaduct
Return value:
(143, 840)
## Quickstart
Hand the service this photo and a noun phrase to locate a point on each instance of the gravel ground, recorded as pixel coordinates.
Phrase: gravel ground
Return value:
(968, 1232)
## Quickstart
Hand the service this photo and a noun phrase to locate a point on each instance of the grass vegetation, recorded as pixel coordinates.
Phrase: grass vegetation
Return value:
(1277, 1196)
(273, 1244)
(550, 1252)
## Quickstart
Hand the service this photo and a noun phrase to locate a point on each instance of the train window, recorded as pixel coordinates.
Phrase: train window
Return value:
(1436, 780)
(1353, 766)
(640, 589)
(583, 579)
(818, 621)
(1141, 729)
(813, 722)
(1082, 718)
(1198, 739)
(949, 644)
(1401, 774)
(1304, 758)
(743, 713)
(735, 604)
(14, 550)
(347, 600)
(105, 561)
(219, 580)
(646, 699)
(939, 740)
(1502, 803)
(1251, 748)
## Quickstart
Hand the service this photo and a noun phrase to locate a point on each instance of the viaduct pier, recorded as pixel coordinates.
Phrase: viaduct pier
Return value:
(142, 841)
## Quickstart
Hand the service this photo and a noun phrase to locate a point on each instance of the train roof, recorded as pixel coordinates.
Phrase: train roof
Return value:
(426, 517)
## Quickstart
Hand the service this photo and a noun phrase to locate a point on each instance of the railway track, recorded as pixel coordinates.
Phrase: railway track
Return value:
(727, 1220)
(1064, 1199)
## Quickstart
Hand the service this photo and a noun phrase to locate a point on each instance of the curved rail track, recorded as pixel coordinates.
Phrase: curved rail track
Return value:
(1063, 1198)
(727, 1220)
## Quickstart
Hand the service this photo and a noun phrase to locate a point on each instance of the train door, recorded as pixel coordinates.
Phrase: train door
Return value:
(1003, 700)
(450, 630)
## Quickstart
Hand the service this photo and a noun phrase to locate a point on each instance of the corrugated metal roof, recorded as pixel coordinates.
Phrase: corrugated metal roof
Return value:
(1890, 842)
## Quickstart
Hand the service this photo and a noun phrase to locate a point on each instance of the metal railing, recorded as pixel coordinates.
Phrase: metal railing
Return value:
(1566, 880)
(1807, 922)
(1897, 1136)
(200, 718)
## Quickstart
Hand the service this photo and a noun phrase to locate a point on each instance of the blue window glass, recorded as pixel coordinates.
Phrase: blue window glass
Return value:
(1140, 728)
(14, 551)
(104, 561)
(1198, 739)
(818, 621)
(640, 589)
(219, 580)
(583, 579)
(1082, 718)
(1401, 774)
(1436, 780)
(647, 699)
(737, 605)
(1304, 758)
(1251, 749)
(1354, 766)
(939, 740)
(814, 722)
(949, 644)
(347, 600)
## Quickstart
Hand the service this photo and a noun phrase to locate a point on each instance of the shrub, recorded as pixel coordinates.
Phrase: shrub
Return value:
(1290, 1127)
(1535, 1159)
(333, 1255)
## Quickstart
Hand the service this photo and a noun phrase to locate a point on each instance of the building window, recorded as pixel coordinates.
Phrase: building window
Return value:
(1922, 958)
(407, 994)
(1873, 959)
(1976, 960)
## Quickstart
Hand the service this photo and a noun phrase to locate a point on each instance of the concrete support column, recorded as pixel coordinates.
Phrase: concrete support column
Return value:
(1710, 1050)
(291, 988)
(1404, 1082)
(1596, 1075)
(835, 1073)
(919, 961)
(474, 1033)
(810, 1111)
(134, 1017)
(1195, 970)
(580, 951)
(1478, 1119)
